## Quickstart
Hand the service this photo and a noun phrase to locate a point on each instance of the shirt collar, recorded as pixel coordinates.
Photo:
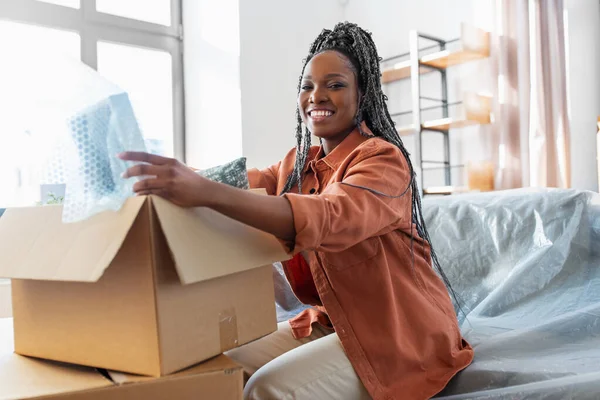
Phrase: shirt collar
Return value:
(342, 150)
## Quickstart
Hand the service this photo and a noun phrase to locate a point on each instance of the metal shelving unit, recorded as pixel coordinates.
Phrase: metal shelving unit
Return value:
(473, 45)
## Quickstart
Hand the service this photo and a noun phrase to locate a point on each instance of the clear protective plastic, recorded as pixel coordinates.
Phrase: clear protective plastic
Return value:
(76, 122)
(286, 303)
(526, 265)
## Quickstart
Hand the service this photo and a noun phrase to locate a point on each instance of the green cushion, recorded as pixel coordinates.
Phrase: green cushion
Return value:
(233, 173)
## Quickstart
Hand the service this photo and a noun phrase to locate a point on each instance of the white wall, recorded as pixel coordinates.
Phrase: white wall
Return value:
(391, 20)
(275, 36)
(212, 82)
(583, 30)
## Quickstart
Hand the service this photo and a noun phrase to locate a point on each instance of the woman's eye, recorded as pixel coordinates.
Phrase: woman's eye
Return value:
(336, 86)
(306, 87)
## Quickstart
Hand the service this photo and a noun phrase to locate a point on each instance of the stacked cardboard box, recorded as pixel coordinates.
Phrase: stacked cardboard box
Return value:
(150, 290)
(30, 378)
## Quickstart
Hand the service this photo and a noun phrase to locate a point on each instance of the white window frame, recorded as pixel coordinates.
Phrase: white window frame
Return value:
(94, 26)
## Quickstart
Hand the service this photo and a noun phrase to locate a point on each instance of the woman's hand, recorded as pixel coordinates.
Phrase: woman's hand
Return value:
(167, 178)
(180, 185)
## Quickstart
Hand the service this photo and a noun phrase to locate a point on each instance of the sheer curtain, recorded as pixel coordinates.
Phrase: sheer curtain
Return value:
(531, 127)
(549, 134)
(509, 63)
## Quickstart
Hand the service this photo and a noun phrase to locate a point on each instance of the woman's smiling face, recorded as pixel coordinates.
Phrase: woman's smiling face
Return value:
(328, 98)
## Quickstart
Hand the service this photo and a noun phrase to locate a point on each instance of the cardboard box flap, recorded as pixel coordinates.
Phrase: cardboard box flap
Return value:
(206, 244)
(219, 363)
(35, 244)
(23, 377)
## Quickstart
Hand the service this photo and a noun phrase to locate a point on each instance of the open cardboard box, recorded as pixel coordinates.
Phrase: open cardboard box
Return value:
(151, 289)
(29, 378)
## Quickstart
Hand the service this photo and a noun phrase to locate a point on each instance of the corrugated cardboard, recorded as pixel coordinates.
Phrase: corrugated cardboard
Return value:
(150, 290)
(30, 378)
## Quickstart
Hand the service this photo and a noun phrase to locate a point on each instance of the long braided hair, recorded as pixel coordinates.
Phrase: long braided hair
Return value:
(357, 45)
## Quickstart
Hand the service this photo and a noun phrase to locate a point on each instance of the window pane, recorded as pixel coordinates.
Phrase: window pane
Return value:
(32, 38)
(147, 77)
(66, 3)
(19, 169)
(156, 11)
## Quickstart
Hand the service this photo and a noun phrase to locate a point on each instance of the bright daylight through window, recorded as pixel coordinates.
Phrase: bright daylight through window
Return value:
(135, 44)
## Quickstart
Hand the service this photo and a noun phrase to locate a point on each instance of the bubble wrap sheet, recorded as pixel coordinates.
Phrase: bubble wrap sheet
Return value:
(527, 266)
(97, 134)
(77, 122)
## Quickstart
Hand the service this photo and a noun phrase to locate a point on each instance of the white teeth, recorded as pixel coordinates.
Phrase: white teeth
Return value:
(319, 113)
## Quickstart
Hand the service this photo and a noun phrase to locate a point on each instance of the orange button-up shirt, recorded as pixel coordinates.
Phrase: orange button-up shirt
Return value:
(391, 311)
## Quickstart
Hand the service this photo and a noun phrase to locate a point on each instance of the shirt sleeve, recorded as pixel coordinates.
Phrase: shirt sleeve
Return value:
(347, 212)
(266, 178)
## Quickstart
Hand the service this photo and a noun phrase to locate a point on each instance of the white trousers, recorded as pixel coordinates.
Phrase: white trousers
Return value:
(283, 368)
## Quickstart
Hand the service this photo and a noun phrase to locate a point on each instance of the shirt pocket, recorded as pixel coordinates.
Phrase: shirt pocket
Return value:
(355, 255)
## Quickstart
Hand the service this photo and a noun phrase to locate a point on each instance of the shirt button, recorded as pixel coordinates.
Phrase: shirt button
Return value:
(313, 190)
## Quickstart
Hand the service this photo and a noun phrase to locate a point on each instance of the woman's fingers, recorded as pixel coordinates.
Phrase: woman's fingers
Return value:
(145, 157)
(158, 192)
(150, 185)
(145, 170)
(164, 177)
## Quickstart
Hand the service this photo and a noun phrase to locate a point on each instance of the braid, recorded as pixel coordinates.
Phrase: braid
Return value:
(302, 141)
(358, 46)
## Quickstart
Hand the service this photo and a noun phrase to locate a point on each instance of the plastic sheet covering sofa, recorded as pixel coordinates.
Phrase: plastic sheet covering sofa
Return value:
(286, 303)
(526, 264)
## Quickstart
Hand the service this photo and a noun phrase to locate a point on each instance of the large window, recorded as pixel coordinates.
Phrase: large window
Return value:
(136, 44)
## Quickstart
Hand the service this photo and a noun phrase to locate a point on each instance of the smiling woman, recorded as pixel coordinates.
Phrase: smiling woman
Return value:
(328, 98)
(381, 324)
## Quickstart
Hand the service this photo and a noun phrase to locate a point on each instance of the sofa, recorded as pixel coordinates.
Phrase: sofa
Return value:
(526, 267)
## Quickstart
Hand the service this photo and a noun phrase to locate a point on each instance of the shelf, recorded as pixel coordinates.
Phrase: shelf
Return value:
(399, 71)
(441, 125)
(438, 107)
(406, 130)
(445, 190)
(442, 168)
(445, 124)
(474, 45)
(476, 110)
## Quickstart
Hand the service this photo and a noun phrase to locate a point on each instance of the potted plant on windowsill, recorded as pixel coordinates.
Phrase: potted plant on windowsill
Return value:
(52, 200)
